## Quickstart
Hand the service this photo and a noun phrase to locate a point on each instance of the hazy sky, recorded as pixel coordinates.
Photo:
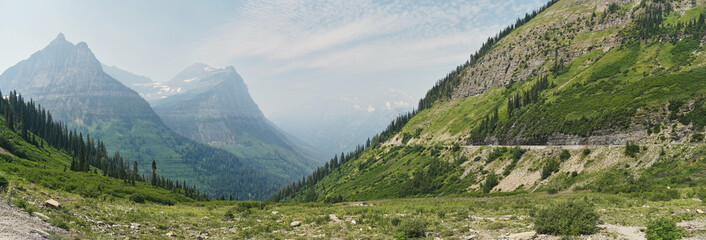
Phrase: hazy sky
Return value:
(287, 51)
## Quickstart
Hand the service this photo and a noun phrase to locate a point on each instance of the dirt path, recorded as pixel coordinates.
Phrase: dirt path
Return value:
(16, 224)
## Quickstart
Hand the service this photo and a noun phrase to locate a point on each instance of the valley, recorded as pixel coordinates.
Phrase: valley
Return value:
(585, 119)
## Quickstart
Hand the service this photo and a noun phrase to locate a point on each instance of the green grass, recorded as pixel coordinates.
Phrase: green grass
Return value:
(47, 167)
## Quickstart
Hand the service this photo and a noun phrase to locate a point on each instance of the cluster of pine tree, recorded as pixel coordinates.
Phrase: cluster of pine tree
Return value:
(649, 24)
(172, 185)
(443, 89)
(491, 122)
(34, 123)
(528, 97)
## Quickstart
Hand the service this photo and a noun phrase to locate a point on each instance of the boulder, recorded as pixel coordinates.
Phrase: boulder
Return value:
(469, 237)
(42, 216)
(699, 211)
(51, 203)
(295, 224)
(170, 234)
(523, 236)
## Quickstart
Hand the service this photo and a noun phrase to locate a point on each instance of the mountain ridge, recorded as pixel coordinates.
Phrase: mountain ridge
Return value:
(68, 80)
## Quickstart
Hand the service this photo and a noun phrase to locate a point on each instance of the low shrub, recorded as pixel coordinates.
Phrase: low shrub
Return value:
(550, 167)
(137, 198)
(3, 183)
(565, 155)
(586, 151)
(413, 228)
(490, 182)
(334, 199)
(496, 153)
(229, 214)
(663, 229)
(59, 222)
(567, 218)
(662, 195)
(631, 149)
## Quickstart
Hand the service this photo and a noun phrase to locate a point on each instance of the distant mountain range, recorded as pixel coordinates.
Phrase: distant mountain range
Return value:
(69, 81)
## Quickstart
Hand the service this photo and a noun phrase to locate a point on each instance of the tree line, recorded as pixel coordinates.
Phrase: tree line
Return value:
(36, 126)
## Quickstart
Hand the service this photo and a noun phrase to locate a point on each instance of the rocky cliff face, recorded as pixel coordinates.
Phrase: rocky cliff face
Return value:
(69, 80)
(561, 33)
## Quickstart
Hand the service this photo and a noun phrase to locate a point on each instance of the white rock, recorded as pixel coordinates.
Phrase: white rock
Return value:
(469, 237)
(523, 236)
(170, 234)
(353, 221)
(135, 225)
(51, 203)
(699, 211)
(42, 216)
(275, 212)
(295, 224)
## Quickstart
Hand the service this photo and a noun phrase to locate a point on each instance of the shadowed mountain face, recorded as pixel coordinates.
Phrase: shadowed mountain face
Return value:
(69, 81)
(218, 104)
(213, 106)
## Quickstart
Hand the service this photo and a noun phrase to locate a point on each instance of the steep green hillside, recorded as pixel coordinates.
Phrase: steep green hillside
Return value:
(597, 73)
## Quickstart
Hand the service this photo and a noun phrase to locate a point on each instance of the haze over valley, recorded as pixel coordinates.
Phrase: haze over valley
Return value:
(558, 119)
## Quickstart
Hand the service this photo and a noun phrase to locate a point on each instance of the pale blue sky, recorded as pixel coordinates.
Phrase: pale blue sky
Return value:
(287, 51)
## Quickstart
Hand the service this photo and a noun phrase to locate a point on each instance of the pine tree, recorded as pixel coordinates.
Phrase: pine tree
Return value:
(134, 173)
(154, 173)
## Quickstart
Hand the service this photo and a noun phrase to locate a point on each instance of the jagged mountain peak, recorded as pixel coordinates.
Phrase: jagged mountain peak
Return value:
(199, 71)
(63, 69)
(60, 39)
(222, 88)
(60, 53)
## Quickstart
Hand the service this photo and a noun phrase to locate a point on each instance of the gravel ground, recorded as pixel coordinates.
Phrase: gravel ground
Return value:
(17, 224)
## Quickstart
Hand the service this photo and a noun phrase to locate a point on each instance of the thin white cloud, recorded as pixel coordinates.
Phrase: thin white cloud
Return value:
(353, 36)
